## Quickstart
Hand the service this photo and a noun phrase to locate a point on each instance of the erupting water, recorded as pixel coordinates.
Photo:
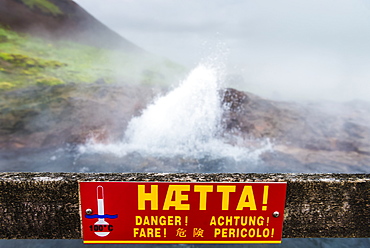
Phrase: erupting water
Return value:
(182, 121)
(186, 122)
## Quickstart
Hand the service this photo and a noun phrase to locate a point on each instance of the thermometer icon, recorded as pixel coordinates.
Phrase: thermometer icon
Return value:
(101, 221)
(101, 227)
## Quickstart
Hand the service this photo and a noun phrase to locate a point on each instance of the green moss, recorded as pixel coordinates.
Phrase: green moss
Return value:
(43, 5)
(19, 60)
(49, 81)
(28, 72)
(53, 63)
(6, 56)
(3, 38)
(4, 70)
(6, 86)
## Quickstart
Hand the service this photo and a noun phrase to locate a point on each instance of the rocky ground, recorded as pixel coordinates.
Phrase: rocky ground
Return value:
(51, 116)
(335, 135)
(306, 137)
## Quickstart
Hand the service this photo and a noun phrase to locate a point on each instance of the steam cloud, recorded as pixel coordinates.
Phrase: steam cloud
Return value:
(186, 122)
(306, 50)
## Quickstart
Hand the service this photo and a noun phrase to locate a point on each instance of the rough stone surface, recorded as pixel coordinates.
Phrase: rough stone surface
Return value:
(52, 116)
(45, 205)
(320, 134)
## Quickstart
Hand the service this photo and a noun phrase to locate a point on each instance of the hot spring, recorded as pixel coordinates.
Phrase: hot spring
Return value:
(183, 125)
(182, 130)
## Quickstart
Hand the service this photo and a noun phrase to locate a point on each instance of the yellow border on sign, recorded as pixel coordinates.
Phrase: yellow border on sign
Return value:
(179, 242)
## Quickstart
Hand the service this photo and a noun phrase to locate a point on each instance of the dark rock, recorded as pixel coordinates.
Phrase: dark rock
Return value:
(234, 100)
(55, 115)
(313, 133)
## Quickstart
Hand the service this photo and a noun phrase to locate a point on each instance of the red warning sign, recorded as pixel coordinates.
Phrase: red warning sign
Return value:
(187, 213)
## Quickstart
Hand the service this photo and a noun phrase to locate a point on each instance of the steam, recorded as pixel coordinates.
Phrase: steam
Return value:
(186, 122)
(186, 118)
(284, 50)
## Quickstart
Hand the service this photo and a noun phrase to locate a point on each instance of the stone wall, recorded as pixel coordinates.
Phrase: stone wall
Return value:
(46, 205)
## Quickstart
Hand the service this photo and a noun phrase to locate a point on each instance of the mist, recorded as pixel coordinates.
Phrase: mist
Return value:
(306, 50)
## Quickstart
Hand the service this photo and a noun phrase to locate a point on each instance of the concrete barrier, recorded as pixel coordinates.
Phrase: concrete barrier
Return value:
(46, 205)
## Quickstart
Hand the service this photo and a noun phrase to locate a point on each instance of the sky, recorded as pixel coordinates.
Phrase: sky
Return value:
(280, 49)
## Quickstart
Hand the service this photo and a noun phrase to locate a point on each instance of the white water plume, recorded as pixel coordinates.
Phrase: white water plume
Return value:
(186, 118)
(186, 122)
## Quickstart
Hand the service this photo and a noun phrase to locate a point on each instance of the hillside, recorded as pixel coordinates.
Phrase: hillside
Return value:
(60, 19)
(52, 42)
(27, 60)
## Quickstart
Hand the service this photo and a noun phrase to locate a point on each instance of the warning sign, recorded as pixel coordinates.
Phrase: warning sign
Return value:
(188, 213)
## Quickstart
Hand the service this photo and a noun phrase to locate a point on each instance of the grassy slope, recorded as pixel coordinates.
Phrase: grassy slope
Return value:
(44, 6)
(27, 61)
